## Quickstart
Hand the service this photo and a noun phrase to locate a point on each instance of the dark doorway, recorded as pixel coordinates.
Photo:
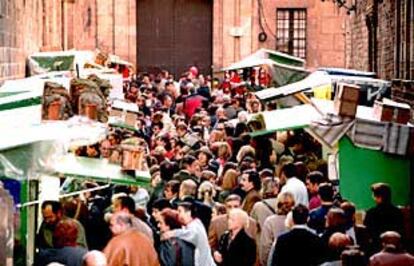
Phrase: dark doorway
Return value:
(174, 35)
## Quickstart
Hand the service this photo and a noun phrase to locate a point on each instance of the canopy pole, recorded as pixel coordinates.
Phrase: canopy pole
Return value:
(30, 203)
(305, 99)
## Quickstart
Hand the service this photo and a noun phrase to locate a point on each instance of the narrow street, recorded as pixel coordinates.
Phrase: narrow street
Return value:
(204, 133)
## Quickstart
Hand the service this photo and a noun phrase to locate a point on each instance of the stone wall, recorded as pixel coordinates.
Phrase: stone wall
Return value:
(21, 33)
(28, 26)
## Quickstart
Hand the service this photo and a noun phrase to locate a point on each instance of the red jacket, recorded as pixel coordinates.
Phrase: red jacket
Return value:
(191, 103)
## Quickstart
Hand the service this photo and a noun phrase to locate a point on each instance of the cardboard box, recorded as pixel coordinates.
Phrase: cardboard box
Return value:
(391, 111)
(346, 100)
(348, 92)
(344, 108)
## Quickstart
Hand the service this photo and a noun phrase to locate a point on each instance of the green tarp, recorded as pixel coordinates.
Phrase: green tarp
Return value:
(99, 170)
(285, 68)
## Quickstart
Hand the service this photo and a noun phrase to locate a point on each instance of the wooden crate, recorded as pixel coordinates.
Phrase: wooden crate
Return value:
(391, 111)
(346, 100)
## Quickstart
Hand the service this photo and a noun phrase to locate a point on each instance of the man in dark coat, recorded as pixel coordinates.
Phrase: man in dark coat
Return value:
(235, 246)
(300, 246)
(219, 225)
(384, 216)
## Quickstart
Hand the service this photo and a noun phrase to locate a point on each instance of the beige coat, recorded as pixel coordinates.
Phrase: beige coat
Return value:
(251, 198)
(131, 248)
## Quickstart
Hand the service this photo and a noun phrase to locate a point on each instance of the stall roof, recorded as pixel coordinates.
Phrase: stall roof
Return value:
(324, 77)
(347, 72)
(117, 60)
(78, 130)
(315, 79)
(21, 117)
(301, 116)
(98, 169)
(43, 62)
(284, 68)
(130, 107)
(21, 93)
(266, 56)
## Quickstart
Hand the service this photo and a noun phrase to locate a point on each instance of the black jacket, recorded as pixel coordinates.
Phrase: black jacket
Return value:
(176, 252)
(298, 247)
(239, 252)
(382, 218)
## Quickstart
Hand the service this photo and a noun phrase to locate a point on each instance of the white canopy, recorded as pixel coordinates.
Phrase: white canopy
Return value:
(315, 79)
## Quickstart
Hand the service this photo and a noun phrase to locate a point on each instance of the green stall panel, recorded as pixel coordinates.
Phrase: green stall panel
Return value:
(359, 168)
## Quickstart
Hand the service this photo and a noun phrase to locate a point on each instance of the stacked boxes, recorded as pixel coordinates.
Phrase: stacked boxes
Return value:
(346, 100)
(391, 111)
(403, 91)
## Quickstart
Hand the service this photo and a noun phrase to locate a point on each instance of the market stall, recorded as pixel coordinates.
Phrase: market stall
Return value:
(322, 84)
(34, 157)
(363, 150)
(284, 68)
(34, 162)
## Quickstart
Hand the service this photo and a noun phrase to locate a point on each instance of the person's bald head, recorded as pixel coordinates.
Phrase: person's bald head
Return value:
(338, 241)
(391, 239)
(120, 222)
(94, 258)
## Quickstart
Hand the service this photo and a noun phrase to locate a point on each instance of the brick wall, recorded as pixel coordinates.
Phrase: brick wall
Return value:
(325, 30)
(28, 26)
(357, 39)
(386, 39)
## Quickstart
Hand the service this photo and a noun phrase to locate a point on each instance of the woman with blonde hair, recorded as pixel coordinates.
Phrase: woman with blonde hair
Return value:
(229, 183)
(206, 193)
(223, 154)
(275, 225)
(216, 136)
(244, 151)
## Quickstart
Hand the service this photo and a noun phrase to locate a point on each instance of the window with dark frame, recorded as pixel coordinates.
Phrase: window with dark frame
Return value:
(291, 31)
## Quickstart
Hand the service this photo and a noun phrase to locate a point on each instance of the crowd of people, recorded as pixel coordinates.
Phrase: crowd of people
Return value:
(217, 195)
